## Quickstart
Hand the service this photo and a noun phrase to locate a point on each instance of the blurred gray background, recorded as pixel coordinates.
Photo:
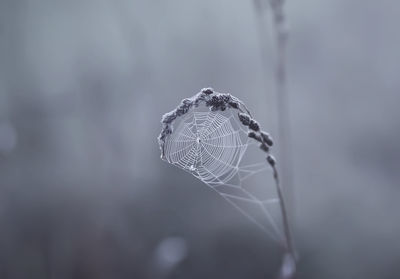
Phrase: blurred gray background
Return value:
(83, 84)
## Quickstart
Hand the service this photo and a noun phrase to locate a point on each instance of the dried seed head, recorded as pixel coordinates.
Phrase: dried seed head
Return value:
(255, 136)
(207, 90)
(168, 117)
(186, 101)
(244, 118)
(216, 102)
(234, 104)
(226, 97)
(267, 138)
(271, 160)
(264, 147)
(254, 125)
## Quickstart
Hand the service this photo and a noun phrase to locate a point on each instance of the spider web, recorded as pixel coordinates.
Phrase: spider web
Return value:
(215, 148)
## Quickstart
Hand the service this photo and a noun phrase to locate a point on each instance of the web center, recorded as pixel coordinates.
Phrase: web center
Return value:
(198, 140)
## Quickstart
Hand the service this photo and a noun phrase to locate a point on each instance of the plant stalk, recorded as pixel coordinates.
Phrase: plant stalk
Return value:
(281, 35)
(289, 248)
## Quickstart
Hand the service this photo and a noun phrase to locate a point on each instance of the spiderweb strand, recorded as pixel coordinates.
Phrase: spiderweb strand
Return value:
(211, 146)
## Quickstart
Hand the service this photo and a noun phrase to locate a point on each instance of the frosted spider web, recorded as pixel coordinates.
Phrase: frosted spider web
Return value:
(215, 148)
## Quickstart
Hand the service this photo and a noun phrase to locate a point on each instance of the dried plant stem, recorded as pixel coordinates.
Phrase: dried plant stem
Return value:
(286, 228)
(283, 119)
(262, 28)
(281, 36)
(288, 267)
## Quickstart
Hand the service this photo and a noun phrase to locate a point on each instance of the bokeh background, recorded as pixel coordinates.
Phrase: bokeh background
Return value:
(83, 84)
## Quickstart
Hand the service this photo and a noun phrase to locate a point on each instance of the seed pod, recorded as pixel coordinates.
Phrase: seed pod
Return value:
(168, 117)
(271, 160)
(234, 104)
(267, 138)
(244, 118)
(255, 136)
(226, 97)
(264, 147)
(254, 125)
(207, 91)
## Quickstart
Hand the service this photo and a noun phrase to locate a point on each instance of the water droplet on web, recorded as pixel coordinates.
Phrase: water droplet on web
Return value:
(192, 168)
